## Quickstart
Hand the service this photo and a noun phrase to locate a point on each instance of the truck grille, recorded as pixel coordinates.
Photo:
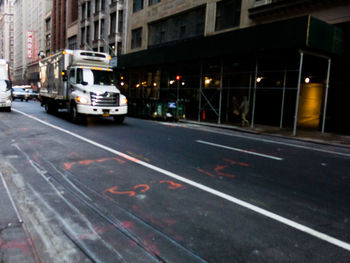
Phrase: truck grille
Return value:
(105, 99)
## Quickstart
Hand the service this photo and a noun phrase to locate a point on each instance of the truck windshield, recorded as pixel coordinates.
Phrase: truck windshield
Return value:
(95, 77)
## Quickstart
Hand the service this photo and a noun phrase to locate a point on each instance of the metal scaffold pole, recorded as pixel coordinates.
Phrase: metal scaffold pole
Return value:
(200, 92)
(298, 94)
(254, 94)
(283, 97)
(220, 100)
(326, 96)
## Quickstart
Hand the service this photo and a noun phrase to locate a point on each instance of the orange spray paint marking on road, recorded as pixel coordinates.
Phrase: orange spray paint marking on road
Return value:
(205, 172)
(69, 166)
(236, 163)
(144, 186)
(222, 167)
(172, 184)
(113, 190)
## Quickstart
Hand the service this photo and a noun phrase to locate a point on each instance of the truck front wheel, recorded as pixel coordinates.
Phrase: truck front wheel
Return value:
(119, 119)
(75, 116)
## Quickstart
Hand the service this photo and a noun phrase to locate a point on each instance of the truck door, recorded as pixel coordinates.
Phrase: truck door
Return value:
(71, 81)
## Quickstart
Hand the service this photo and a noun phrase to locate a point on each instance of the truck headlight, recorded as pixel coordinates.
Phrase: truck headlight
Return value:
(123, 100)
(82, 100)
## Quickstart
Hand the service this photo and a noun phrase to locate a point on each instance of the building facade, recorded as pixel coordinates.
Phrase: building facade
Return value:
(29, 38)
(58, 25)
(7, 33)
(101, 25)
(72, 24)
(198, 60)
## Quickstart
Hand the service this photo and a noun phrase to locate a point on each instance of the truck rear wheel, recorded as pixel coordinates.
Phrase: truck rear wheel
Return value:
(50, 107)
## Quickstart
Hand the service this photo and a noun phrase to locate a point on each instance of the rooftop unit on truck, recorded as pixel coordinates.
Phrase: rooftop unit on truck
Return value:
(82, 82)
(5, 86)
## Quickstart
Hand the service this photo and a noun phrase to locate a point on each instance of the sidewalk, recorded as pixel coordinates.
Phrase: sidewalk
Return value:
(301, 134)
(15, 245)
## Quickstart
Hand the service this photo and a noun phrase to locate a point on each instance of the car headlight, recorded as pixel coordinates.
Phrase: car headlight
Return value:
(82, 100)
(123, 100)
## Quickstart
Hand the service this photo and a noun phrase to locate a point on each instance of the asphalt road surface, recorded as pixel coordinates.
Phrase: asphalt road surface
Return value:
(149, 191)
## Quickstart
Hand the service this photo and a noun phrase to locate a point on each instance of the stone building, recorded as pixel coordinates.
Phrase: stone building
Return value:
(101, 25)
(29, 39)
(193, 59)
(7, 34)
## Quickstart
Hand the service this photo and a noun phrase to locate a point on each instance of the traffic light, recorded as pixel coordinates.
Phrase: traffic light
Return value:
(178, 77)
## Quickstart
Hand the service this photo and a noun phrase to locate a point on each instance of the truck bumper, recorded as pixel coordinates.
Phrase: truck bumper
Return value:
(5, 103)
(102, 111)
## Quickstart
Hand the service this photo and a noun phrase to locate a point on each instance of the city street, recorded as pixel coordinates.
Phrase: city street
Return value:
(150, 191)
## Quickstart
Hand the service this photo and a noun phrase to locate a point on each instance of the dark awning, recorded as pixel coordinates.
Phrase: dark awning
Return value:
(297, 33)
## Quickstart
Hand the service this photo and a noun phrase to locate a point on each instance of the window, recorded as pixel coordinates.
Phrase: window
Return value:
(102, 27)
(48, 40)
(83, 11)
(72, 76)
(82, 36)
(97, 5)
(120, 21)
(183, 26)
(111, 49)
(228, 13)
(48, 24)
(136, 38)
(119, 48)
(95, 30)
(72, 42)
(88, 34)
(112, 25)
(88, 9)
(103, 4)
(137, 5)
(153, 2)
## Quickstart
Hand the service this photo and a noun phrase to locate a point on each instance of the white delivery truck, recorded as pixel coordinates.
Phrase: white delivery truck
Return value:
(5, 85)
(82, 82)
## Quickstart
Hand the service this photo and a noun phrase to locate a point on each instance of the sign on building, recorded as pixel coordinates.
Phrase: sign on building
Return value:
(29, 44)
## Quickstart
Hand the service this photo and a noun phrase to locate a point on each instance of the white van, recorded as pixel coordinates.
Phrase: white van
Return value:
(5, 86)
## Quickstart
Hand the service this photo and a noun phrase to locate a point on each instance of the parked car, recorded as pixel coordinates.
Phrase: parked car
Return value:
(32, 94)
(20, 93)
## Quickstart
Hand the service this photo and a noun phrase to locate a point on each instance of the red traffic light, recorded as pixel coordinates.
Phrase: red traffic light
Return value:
(178, 77)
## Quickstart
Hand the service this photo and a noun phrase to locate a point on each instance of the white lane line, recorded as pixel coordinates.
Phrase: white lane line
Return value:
(241, 150)
(207, 189)
(198, 127)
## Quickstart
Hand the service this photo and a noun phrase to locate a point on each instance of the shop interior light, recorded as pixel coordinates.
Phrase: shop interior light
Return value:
(207, 80)
(155, 84)
(307, 80)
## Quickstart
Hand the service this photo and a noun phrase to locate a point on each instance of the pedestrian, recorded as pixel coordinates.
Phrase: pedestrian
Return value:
(244, 108)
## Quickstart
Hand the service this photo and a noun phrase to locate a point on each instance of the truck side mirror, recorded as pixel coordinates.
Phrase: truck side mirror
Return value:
(9, 84)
